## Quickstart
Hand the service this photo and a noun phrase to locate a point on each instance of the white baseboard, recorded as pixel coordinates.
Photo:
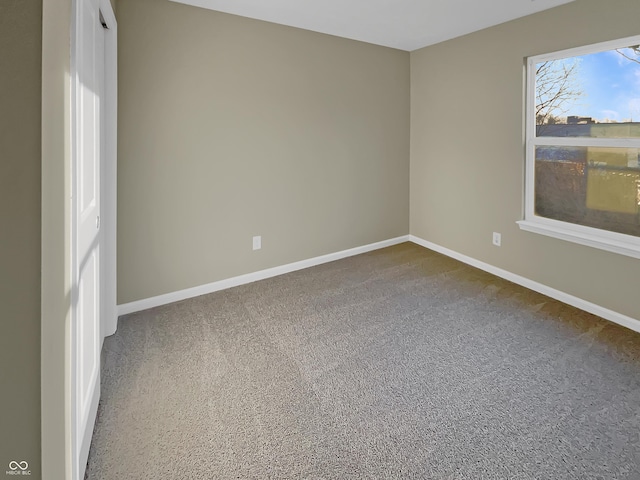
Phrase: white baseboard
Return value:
(615, 317)
(585, 305)
(159, 300)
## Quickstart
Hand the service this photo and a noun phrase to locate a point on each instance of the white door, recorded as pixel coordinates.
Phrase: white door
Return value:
(87, 239)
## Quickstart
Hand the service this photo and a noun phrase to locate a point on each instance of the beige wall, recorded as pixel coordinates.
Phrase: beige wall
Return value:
(231, 127)
(467, 181)
(20, 83)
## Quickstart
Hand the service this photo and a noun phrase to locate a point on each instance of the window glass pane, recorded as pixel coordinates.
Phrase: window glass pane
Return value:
(594, 95)
(592, 186)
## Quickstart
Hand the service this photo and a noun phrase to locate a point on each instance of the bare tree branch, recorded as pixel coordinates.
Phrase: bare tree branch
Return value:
(636, 51)
(556, 90)
(557, 87)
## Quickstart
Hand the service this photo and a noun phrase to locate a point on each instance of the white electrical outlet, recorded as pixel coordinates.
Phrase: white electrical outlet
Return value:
(497, 239)
(257, 242)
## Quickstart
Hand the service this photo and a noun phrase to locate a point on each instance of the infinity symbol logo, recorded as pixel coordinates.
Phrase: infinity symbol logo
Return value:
(13, 465)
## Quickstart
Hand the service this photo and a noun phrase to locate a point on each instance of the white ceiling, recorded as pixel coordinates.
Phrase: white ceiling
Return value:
(404, 24)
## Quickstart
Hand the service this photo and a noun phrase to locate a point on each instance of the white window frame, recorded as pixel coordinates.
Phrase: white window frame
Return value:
(594, 237)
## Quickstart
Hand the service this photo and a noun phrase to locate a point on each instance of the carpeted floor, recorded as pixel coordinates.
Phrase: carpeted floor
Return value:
(399, 363)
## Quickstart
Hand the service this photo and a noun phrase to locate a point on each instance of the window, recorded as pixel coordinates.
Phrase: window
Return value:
(583, 146)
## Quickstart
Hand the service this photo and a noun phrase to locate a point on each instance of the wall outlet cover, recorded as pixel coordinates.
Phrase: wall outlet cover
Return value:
(497, 239)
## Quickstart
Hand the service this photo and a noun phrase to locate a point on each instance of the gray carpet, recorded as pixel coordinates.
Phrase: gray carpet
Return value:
(399, 363)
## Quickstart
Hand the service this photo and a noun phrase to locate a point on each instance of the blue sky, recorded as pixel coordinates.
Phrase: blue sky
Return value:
(611, 87)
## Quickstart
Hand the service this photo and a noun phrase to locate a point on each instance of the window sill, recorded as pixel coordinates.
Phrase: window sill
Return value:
(629, 248)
